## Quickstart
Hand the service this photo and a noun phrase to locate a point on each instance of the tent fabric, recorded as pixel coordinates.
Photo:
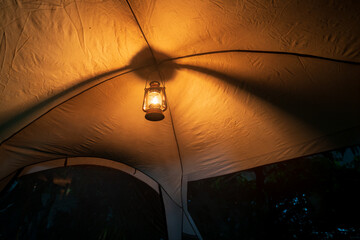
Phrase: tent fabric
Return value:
(248, 83)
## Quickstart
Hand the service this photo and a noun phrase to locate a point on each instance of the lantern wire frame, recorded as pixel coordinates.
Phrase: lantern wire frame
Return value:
(155, 114)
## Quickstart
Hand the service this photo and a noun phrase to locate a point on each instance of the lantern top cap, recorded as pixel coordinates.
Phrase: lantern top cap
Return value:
(154, 84)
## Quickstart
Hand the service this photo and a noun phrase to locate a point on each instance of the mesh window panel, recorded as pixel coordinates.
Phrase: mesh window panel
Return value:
(81, 202)
(316, 197)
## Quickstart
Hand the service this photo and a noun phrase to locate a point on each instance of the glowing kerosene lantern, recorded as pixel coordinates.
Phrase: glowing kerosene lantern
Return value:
(154, 102)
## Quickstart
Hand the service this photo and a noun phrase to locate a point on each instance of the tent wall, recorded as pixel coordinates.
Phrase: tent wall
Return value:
(248, 83)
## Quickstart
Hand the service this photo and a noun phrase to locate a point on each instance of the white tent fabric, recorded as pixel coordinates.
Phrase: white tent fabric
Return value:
(248, 83)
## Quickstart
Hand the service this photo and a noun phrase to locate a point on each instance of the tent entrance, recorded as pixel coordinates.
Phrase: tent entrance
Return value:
(81, 202)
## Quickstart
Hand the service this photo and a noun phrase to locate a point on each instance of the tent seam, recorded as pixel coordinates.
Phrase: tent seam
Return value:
(259, 51)
(174, 59)
(142, 32)
(182, 169)
(172, 122)
(68, 99)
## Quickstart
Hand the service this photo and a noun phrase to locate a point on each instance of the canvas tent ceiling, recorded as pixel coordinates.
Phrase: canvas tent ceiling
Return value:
(248, 83)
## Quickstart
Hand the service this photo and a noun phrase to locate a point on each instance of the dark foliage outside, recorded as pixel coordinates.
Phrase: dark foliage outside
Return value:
(81, 202)
(308, 198)
(313, 197)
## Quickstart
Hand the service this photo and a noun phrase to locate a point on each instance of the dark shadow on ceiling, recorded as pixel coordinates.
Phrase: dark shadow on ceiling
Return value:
(300, 107)
(142, 64)
(61, 97)
(145, 58)
(307, 110)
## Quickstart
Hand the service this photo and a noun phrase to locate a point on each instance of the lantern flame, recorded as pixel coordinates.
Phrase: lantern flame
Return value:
(154, 99)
